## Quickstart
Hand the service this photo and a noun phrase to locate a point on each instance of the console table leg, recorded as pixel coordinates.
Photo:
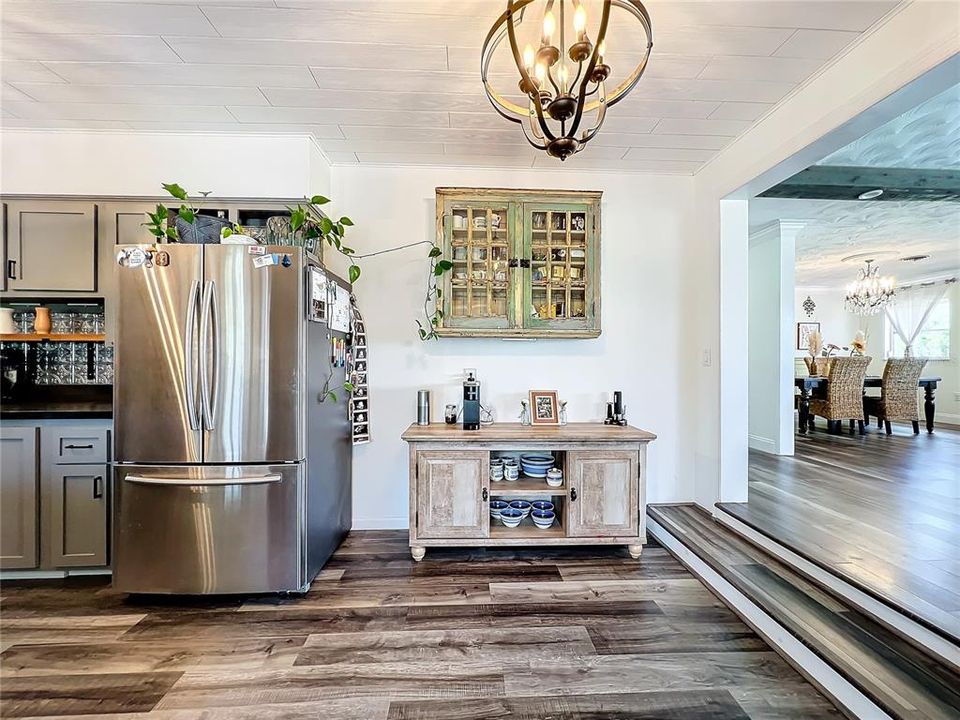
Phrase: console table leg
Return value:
(418, 552)
(635, 551)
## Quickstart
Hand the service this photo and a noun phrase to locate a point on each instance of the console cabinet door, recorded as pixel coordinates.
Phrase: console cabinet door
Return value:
(51, 246)
(604, 491)
(451, 486)
(78, 515)
(19, 507)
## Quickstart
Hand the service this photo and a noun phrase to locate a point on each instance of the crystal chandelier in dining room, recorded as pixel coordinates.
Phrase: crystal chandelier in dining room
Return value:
(563, 70)
(871, 292)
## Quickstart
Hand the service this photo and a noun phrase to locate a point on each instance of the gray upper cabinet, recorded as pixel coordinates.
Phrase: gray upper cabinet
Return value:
(122, 223)
(51, 246)
(19, 504)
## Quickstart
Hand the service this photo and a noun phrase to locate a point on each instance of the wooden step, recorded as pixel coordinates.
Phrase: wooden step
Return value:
(897, 676)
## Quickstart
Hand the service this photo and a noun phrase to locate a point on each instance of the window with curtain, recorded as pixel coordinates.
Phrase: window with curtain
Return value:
(933, 340)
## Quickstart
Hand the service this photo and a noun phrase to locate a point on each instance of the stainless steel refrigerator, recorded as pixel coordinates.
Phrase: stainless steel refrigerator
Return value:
(232, 471)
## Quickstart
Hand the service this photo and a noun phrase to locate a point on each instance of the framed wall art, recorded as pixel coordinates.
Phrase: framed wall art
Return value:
(544, 408)
(803, 333)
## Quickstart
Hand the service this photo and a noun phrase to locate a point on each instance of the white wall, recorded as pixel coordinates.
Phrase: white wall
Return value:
(837, 325)
(771, 339)
(135, 164)
(856, 93)
(640, 350)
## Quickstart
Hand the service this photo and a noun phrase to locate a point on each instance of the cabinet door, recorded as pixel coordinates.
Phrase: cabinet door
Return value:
(561, 290)
(78, 515)
(19, 507)
(604, 498)
(480, 240)
(450, 494)
(52, 246)
(123, 223)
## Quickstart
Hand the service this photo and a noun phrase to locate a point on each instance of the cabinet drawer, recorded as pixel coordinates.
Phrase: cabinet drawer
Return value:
(79, 446)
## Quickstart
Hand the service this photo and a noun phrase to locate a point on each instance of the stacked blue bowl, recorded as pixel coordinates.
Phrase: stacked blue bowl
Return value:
(536, 466)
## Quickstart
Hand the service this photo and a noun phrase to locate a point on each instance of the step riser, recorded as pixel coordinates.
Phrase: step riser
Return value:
(842, 693)
(936, 646)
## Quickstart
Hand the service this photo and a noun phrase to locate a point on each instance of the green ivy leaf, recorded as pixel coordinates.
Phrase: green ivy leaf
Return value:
(435, 252)
(354, 273)
(423, 334)
(225, 233)
(346, 221)
(174, 189)
(326, 225)
(172, 234)
(332, 394)
(347, 251)
(339, 229)
(187, 214)
(319, 200)
(348, 386)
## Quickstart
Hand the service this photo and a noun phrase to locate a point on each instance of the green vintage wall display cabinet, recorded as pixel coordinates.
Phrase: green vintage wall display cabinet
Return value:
(526, 263)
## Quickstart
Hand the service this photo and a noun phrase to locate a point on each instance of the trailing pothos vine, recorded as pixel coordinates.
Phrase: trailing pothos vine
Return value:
(438, 266)
(311, 226)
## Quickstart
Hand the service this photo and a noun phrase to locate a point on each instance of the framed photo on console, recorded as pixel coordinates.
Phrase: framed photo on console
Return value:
(544, 408)
(803, 333)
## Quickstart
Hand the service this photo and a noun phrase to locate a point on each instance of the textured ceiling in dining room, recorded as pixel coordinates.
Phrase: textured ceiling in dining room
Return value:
(397, 81)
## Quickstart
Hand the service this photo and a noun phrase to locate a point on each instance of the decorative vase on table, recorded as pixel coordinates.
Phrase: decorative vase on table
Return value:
(41, 321)
(7, 325)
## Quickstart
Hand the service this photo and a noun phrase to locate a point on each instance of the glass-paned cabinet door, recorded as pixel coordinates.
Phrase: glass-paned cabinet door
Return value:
(559, 242)
(480, 240)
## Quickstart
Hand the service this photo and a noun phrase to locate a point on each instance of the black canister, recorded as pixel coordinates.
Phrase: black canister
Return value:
(471, 403)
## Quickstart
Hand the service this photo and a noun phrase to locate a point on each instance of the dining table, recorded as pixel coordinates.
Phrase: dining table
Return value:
(818, 383)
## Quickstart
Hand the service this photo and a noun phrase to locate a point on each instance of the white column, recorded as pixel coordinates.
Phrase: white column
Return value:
(771, 337)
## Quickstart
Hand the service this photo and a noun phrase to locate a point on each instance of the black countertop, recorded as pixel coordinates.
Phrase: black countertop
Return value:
(59, 402)
(39, 410)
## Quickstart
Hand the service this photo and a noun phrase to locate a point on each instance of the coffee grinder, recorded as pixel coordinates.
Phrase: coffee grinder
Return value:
(471, 401)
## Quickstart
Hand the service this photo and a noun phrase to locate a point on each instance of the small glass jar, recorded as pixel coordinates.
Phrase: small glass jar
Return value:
(524, 413)
(450, 414)
(563, 412)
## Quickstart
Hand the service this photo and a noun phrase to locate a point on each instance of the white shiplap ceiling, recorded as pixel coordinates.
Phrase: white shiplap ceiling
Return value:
(397, 81)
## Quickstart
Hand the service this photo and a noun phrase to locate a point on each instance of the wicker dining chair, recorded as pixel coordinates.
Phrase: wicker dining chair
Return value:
(844, 396)
(898, 393)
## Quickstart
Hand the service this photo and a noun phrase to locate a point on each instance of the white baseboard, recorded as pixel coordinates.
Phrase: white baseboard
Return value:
(51, 574)
(385, 523)
(763, 444)
(831, 683)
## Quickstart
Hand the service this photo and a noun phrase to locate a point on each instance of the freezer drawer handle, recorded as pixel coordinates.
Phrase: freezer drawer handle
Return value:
(250, 480)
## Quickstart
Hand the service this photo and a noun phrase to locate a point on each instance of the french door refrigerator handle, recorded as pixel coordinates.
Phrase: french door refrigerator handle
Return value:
(191, 382)
(199, 482)
(205, 404)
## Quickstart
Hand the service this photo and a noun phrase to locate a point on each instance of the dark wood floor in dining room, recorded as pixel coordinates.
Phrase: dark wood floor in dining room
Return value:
(881, 510)
(531, 634)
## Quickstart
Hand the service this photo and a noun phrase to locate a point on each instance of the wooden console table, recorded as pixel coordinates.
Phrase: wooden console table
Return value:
(601, 500)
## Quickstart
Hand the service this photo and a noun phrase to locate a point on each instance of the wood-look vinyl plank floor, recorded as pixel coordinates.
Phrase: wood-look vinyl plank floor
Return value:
(581, 633)
(881, 511)
(899, 677)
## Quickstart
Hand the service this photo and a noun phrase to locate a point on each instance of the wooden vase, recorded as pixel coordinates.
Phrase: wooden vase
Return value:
(41, 322)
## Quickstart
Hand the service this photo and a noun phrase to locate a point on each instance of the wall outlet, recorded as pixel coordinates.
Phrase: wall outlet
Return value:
(707, 360)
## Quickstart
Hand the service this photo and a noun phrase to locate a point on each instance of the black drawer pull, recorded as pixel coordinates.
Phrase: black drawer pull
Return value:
(573, 494)
(11, 269)
(98, 487)
(78, 447)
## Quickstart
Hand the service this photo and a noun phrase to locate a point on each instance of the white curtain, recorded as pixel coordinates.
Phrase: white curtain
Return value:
(910, 310)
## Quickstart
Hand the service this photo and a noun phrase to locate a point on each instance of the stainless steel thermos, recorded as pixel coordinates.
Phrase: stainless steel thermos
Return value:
(423, 407)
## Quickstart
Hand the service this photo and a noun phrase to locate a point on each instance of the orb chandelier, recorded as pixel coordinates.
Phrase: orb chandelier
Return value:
(871, 292)
(564, 78)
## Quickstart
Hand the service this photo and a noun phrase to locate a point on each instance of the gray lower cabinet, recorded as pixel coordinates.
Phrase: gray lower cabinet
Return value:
(19, 500)
(78, 515)
(603, 493)
(75, 503)
(51, 246)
